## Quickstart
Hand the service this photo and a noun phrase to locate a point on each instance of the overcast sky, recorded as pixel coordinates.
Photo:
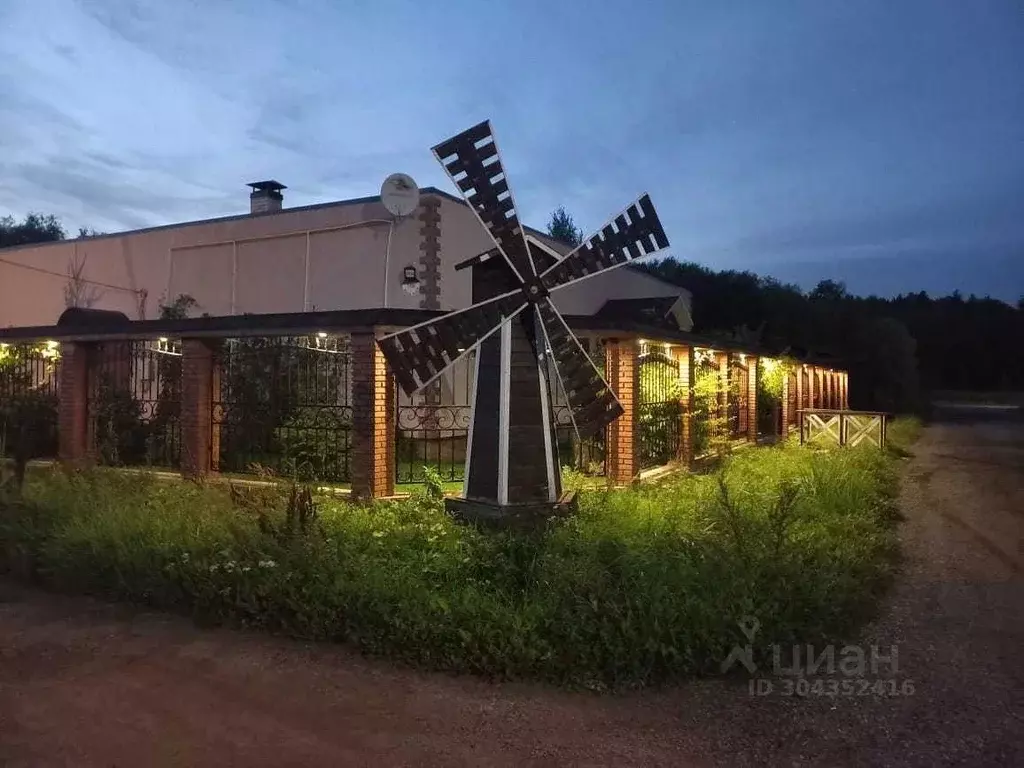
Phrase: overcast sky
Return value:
(876, 142)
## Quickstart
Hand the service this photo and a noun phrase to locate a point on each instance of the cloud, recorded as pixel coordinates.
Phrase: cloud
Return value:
(834, 129)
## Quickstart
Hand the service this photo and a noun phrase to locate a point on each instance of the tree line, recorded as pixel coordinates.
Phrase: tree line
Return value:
(897, 349)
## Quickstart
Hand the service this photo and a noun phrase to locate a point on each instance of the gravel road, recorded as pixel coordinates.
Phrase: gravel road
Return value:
(84, 683)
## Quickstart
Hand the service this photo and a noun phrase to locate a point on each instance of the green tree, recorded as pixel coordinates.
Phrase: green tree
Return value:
(829, 290)
(36, 228)
(179, 308)
(563, 228)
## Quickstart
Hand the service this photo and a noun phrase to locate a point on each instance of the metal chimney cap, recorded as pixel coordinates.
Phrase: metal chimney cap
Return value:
(266, 186)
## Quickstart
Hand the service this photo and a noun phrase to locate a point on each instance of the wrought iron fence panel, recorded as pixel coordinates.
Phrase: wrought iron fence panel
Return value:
(588, 455)
(769, 408)
(737, 399)
(133, 403)
(794, 404)
(432, 426)
(282, 406)
(29, 390)
(659, 409)
(706, 420)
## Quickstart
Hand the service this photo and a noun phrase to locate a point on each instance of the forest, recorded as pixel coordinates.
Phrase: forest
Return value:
(898, 350)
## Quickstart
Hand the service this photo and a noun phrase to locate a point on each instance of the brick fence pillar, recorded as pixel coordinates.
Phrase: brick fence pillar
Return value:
(623, 444)
(73, 405)
(200, 450)
(684, 356)
(373, 420)
(753, 374)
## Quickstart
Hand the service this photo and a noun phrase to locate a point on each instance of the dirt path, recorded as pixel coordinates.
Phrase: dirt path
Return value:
(88, 684)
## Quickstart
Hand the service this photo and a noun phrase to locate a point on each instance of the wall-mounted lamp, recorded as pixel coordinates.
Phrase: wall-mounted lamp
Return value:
(410, 280)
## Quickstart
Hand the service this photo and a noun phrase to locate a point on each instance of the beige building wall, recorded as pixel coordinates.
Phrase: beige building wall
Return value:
(323, 257)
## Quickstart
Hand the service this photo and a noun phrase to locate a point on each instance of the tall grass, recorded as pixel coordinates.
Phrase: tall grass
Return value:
(642, 585)
(902, 433)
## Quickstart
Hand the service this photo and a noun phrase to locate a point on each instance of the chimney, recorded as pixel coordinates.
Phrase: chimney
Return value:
(266, 196)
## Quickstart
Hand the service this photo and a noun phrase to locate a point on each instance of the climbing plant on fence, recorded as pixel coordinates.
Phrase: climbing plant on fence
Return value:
(710, 420)
(769, 393)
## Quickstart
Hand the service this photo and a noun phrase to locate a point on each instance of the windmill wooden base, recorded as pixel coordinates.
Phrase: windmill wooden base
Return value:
(492, 514)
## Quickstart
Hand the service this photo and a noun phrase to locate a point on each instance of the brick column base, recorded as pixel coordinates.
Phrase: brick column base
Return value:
(623, 371)
(73, 405)
(373, 420)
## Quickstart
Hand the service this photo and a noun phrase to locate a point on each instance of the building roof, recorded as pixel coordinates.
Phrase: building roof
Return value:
(543, 238)
(249, 215)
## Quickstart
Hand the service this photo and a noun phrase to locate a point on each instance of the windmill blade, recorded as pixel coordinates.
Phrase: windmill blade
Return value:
(420, 354)
(471, 159)
(592, 404)
(634, 233)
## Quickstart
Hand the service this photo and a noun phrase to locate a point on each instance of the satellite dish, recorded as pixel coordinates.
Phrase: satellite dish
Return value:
(400, 194)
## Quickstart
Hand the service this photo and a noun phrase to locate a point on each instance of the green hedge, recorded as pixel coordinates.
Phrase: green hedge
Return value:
(642, 585)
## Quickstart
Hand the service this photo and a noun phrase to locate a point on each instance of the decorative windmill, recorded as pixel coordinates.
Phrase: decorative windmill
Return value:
(512, 468)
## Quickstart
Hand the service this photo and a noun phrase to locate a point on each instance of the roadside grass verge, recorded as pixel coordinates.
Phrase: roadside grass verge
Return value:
(644, 585)
(902, 433)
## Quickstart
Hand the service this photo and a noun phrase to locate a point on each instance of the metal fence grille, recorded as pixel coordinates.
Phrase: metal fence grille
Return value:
(794, 405)
(282, 406)
(588, 455)
(706, 419)
(738, 406)
(659, 409)
(29, 388)
(134, 403)
(432, 426)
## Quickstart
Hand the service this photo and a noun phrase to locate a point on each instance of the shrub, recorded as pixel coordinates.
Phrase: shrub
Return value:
(642, 585)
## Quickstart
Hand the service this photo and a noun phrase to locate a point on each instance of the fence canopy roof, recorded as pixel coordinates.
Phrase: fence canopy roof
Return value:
(101, 325)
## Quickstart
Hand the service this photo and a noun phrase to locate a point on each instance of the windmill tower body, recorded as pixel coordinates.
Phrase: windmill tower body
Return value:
(512, 466)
